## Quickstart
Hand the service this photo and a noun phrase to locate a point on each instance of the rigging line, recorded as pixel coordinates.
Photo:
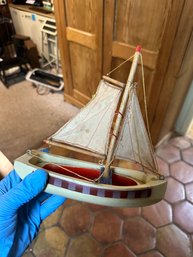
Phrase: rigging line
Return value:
(134, 155)
(146, 115)
(87, 114)
(131, 114)
(135, 125)
(74, 173)
(59, 166)
(119, 65)
(141, 124)
(102, 117)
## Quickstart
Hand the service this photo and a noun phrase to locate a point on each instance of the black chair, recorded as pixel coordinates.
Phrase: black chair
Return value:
(19, 59)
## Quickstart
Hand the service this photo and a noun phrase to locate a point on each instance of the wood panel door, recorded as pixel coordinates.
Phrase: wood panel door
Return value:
(80, 27)
(153, 25)
(96, 36)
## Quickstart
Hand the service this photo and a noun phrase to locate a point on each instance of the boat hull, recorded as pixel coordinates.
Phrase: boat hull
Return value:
(144, 189)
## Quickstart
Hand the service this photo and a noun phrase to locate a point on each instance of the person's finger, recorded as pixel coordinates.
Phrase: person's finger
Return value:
(27, 189)
(42, 197)
(50, 205)
(5, 165)
(8, 182)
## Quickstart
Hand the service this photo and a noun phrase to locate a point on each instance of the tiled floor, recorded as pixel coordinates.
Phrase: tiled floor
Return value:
(164, 229)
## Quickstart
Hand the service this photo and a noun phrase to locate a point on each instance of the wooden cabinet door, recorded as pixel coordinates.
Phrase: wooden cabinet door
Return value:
(80, 30)
(151, 24)
(96, 36)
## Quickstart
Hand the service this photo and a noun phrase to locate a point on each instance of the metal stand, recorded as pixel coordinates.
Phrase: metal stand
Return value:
(50, 51)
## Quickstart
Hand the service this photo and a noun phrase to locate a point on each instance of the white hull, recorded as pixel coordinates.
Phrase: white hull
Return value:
(148, 190)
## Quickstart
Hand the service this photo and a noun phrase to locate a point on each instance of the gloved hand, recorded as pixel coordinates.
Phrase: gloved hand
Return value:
(23, 206)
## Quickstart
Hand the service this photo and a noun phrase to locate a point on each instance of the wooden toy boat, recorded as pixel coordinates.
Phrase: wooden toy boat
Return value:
(96, 130)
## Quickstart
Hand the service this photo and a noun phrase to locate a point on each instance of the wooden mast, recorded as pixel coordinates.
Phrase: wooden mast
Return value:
(121, 111)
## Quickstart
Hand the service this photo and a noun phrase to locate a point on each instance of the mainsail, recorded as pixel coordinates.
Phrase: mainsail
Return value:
(133, 142)
(90, 128)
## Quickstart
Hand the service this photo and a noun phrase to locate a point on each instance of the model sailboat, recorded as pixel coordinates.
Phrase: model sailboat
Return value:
(102, 131)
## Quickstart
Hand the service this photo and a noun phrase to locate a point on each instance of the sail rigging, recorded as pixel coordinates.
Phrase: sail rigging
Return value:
(133, 142)
(90, 128)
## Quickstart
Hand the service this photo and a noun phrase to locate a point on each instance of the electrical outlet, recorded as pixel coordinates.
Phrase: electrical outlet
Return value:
(3, 2)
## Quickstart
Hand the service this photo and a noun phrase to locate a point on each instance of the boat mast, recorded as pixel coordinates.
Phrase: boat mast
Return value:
(121, 111)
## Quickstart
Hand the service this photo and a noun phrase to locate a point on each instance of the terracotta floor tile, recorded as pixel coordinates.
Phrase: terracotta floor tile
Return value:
(189, 192)
(180, 142)
(75, 219)
(183, 216)
(83, 246)
(54, 218)
(173, 242)
(70, 202)
(159, 214)
(106, 227)
(152, 254)
(187, 155)
(118, 249)
(169, 153)
(95, 207)
(127, 212)
(182, 171)
(163, 167)
(29, 250)
(28, 254)
(139, 235)
(175, 191)
(51, 242)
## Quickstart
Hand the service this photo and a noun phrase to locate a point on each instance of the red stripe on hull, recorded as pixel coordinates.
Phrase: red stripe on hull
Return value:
(108, 193)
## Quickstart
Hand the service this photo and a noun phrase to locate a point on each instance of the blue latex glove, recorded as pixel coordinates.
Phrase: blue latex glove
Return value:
(23, 206)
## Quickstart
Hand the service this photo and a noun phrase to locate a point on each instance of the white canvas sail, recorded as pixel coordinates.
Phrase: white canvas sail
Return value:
(90, 128)
(133, 142)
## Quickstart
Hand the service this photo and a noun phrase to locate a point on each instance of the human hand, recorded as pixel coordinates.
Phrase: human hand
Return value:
(23, 206)
(5, 166)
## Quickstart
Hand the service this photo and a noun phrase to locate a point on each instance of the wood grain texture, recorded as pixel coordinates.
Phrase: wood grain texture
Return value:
(59, 7)
(179, 73)
(141, 22)
(114, 82)
(84, 46)
(96, 36)
(124, 51)
(81, 15)
(153, 25)
(71, 99)
(160, 88)
(108, 27)
(81, 37)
